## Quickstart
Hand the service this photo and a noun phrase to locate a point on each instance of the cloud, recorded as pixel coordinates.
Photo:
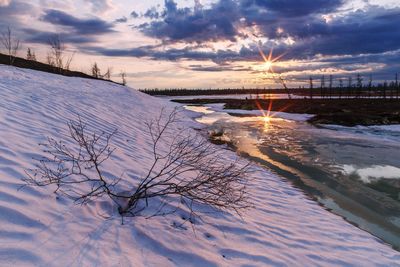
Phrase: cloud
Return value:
(4, 3)
(172, 54)
(78, 26)
(43, 37)
(224, 19)
(14, 8)
(151, 13)
(100, 6)
(121, 20)
(185, 24)
(13, 14)
(296, 7)
(373, 30)
(361, 32)
(134, 14)
(218, 68)
(74, 30)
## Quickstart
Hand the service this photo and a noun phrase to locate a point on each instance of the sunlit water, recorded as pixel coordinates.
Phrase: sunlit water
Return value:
(354, 172)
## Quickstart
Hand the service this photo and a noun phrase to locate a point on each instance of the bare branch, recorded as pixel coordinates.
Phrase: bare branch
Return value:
(186, 168)
(11, 44)
(57, 57)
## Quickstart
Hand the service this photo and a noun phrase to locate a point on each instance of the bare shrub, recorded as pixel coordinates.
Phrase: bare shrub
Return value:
(189, 167)
(57, 57)
(10, 43)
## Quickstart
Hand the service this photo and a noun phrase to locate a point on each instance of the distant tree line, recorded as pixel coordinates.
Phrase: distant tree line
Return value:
(318, 88)
(354, 89)
(215, 91)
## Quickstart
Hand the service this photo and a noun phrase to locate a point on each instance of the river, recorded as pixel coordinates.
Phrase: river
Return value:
(353, 172)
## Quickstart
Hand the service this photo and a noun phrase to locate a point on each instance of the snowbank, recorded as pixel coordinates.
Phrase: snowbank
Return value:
(373, 173)
(209, 108)
(284, 229)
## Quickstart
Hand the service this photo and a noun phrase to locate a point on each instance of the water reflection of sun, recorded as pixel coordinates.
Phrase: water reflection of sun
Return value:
(267, 119)
(267, 122)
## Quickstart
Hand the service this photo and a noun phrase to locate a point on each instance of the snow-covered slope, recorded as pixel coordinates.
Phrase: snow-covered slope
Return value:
(36, 229)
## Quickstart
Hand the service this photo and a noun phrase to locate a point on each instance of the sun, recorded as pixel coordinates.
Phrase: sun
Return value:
(268, 65)
(269, 60)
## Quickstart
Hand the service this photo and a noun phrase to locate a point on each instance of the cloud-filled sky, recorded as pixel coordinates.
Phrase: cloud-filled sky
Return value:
(215, 43)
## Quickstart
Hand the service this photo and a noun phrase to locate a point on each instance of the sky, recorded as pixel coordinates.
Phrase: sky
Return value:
(215, 43)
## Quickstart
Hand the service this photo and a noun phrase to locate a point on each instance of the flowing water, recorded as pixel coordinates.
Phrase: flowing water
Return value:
(354, 172)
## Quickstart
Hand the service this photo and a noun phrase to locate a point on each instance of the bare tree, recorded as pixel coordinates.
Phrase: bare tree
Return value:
(384, 89)
(11, 44)
(282, 80)
(323, 86)
(123, 77)
(30, 55)
(57, 57)
(108, 73)
(359, 86)
(96, 73)
(370, 86)
(349, 87)
(49, 59)
(189, 167)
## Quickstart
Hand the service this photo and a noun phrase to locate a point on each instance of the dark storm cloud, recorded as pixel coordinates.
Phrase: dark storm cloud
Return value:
(74, 31)
(222, 20)
(374, 31)
(185, 24)
(43, 37)
(153, 52)
(79, 26)
(295, 7)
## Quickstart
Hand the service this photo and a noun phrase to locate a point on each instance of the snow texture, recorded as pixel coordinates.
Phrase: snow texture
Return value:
(285, 228)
